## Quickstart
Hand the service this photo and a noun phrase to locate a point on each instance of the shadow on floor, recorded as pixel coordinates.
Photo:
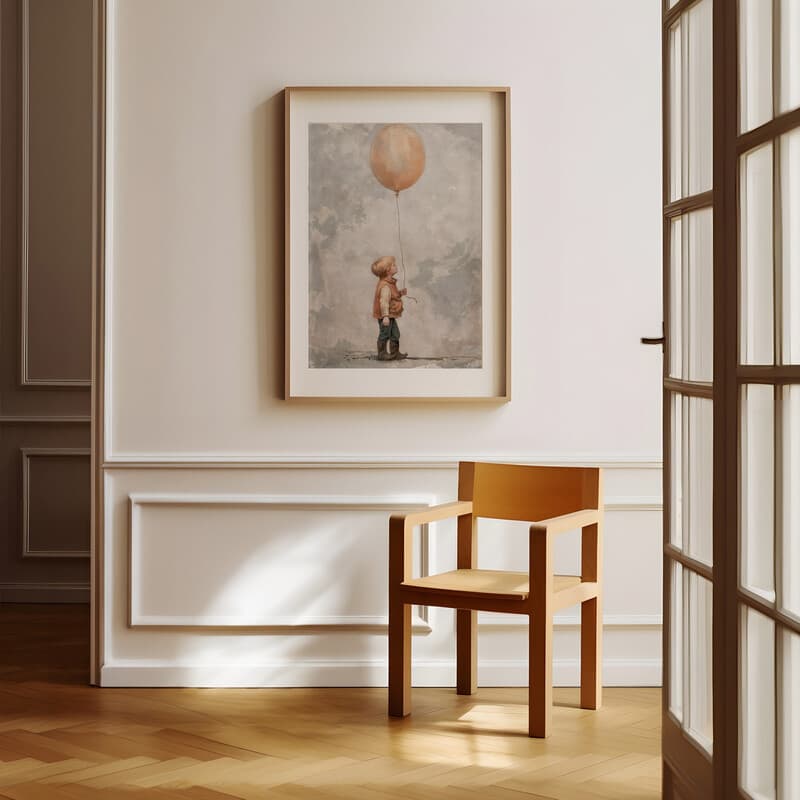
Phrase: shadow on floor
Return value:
(44, 643)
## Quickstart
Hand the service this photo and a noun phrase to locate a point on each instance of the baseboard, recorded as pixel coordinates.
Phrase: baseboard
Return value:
(44, 593)
(616, 672)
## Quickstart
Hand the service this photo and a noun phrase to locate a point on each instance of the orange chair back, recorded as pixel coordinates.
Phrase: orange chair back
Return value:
(527, 493)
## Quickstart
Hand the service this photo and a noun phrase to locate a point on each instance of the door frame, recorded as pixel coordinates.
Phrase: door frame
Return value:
(725, 668)
(688, 770)
(718, 777)
(97, 572)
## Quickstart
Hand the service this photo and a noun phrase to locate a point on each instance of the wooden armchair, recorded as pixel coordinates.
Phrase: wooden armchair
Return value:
(554, 500)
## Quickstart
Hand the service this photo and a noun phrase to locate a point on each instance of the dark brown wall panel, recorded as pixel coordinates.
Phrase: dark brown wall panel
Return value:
(55, 502)
(45, 298)
(56, 190)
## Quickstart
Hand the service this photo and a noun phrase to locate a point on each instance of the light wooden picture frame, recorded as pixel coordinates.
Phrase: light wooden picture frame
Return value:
(397, 243)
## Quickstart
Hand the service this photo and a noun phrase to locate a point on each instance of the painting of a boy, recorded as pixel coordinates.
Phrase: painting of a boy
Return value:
(432, 226)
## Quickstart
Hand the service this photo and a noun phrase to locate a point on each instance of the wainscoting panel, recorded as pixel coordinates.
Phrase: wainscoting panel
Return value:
(275, 575)
(56, 312)
(631, 572)
(45, 299)
(50, 512)
(55, 502)
(274, 570)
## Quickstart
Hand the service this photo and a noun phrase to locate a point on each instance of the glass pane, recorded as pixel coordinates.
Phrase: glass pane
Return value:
(676, 113)
(700, 464)
(757, 764)
(791, 501)
(699, 124)
(758, 495)
(789, 722)
(790, 57)
(676, 641)
(790, 241)
(691, 296)
(676, 261)
(700, 304)
(678, 433)
(690, 102)
(756, 257)
(701, 692)
(755, 63)
(691, 478)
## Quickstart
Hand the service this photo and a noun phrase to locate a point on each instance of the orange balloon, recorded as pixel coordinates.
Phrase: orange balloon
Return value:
(397, 157)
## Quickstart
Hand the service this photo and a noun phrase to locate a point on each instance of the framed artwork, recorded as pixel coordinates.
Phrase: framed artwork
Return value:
(397, 243)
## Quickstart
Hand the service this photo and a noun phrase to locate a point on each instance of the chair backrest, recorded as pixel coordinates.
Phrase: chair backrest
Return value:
(528, 493)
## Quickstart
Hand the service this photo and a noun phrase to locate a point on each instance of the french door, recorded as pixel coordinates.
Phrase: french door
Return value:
(731, 80)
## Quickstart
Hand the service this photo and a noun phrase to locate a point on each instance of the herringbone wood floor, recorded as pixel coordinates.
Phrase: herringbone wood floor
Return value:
(63, 740)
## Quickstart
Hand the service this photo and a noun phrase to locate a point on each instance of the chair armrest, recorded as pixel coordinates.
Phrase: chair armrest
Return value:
(459, 508)
(567, 522)
(401, 527)
(540, 551)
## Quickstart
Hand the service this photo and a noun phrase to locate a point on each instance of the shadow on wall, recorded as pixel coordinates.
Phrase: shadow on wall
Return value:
(268, 230)
(290, 576)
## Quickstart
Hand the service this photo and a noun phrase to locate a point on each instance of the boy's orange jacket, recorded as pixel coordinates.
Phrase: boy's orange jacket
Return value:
(395, 299)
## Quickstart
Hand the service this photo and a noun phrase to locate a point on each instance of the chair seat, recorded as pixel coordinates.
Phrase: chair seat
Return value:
(499, 585)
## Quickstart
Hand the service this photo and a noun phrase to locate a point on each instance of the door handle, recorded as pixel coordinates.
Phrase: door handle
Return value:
(654, 339)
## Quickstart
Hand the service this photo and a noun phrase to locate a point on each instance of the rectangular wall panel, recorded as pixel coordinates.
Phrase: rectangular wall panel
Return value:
(56, 192)
(55, 503)
(632, 534)
(244, 560)
(44, 505)
(45, 298)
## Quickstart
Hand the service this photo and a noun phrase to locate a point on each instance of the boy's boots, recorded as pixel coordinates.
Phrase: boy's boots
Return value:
(390, 351)
(394, 351)
(383, 350)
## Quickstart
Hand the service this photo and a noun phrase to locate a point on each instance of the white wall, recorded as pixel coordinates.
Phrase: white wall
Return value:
(195, 331)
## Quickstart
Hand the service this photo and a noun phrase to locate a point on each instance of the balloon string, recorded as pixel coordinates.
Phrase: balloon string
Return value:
(400, 240)
(399, 236)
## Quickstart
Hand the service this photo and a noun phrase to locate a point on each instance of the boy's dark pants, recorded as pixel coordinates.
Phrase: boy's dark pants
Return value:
(390, 331)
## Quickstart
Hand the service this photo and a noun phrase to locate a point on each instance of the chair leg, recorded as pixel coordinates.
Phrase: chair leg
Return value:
(540, 673)
(466, 652)
(399, 659)
(591, 653)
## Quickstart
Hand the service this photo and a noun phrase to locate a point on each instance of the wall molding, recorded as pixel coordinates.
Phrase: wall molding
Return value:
(282, 502)
(420, 619)
(27, 454)
(15, 419)
(488, 620)
(644, 503)
(420, 622)
(44, 592)
(103, 15)
(25, 379)
(280, 624)
(210, 461)
(342, 673)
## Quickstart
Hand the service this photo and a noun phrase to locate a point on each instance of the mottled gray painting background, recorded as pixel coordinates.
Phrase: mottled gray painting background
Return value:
(352, 222)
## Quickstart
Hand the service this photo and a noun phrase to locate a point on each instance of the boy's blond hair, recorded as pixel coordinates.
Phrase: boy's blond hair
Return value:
(380, 268)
